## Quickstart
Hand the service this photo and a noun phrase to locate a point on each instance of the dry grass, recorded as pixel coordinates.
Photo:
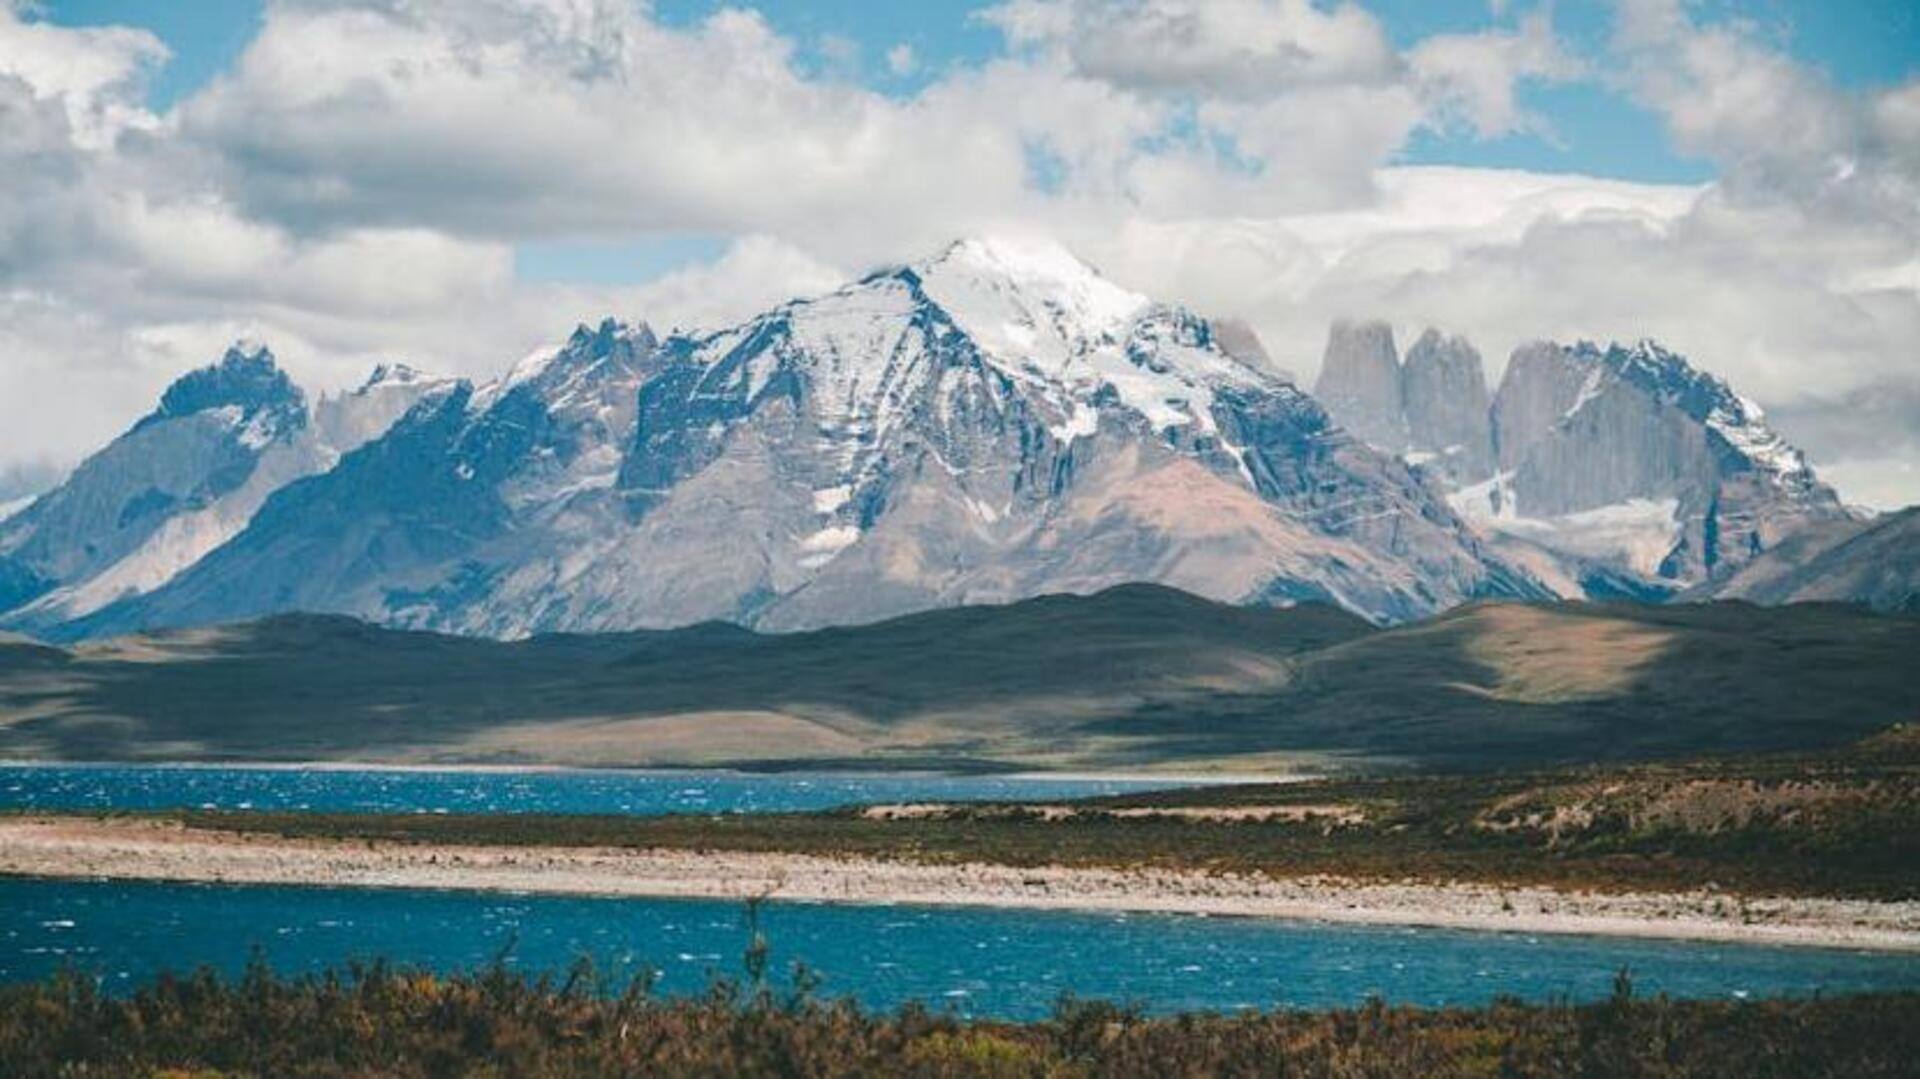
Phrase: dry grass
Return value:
(383, 1022)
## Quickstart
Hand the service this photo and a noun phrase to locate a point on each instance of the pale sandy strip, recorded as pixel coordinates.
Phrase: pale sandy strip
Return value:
(152, 850)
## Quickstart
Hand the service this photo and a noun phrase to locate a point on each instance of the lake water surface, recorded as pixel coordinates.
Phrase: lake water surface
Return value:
(374, 790)
(1001, 963)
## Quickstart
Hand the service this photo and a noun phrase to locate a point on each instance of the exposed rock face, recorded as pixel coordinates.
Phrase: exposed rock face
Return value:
(185, 479)
(1359, 383)
(212, 431)
(993, 423)
(1432, 411)
(1540, 386)
(1633, 457)
(1444, 388)
(345, 422)
(1240, 341)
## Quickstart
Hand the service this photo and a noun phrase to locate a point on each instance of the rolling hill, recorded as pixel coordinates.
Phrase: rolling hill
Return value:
(1136, 676)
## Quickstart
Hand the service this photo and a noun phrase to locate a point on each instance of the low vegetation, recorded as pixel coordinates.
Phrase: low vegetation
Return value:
(379, 1021)
(1840, 824)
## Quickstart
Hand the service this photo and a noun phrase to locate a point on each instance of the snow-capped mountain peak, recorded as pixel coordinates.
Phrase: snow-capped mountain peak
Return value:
(174, 486)
(590, 357)
(184, 480)
(1652, 474)
(1030, 311)
(1039, 312)
(1666, 375)
(1032, 299)
(393, 374)
(346, 421)
(245, 385)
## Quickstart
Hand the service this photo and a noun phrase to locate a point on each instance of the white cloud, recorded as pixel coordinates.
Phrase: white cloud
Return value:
(901, 61)
(754, 274)
(1806, 246)
(490, 120)
(1473, 76)
(1780, 131)
(353, 189)
(1311, 97)
(1877, 482)
(127, 255)
(567, 119)
(1431, 229)
(92, 73)
(841, 54)
(1236, 49)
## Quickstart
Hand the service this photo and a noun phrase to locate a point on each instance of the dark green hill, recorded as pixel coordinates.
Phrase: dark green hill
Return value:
(1134, 676)
(1511, 683)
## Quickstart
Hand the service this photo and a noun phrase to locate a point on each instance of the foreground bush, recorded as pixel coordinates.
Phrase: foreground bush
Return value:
(377, 1021)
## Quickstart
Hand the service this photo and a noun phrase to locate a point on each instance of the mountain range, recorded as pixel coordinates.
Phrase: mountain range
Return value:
(185, 479)
(1615, 472)
(996, 422)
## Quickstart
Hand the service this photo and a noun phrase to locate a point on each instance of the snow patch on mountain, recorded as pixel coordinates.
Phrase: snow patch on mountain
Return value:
(1637, 534)
(524, 371)
(1746, 431)
(823, 546)
(1596, 379)
(1708, 399)
(1031, 300)
(1083, 423)
(345, 422)
(1044, 316)
(1492, 499)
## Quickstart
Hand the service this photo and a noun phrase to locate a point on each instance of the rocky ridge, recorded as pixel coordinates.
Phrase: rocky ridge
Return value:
(996, 422)
(1615, 472)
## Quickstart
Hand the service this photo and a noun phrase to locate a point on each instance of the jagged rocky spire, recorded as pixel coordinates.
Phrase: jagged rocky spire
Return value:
(1359, 383)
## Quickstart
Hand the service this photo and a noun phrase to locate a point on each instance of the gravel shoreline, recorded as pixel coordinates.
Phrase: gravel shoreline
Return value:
(132, 849)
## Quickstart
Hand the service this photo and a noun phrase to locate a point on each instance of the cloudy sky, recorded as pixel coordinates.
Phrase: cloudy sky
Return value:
(456, 182)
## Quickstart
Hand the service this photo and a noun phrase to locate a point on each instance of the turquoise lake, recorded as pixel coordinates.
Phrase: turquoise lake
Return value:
(999, 963)
(374, 790)
(1009, 964)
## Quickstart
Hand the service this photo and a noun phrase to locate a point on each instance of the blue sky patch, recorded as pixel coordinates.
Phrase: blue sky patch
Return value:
(617, 263)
